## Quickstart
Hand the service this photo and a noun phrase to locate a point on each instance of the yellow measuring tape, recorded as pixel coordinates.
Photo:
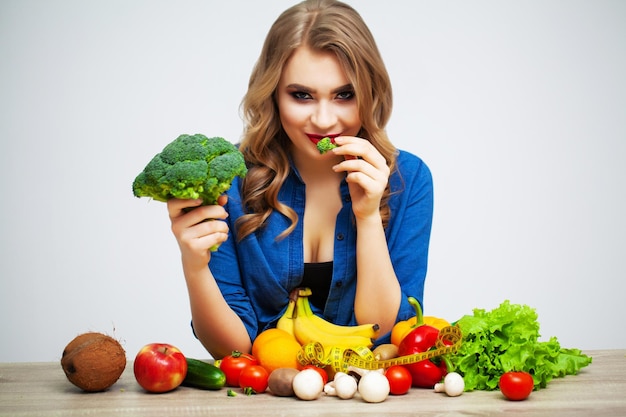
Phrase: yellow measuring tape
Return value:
(340, 358)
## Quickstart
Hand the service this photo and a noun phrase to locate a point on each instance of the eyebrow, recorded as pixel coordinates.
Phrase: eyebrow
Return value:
(306, 89)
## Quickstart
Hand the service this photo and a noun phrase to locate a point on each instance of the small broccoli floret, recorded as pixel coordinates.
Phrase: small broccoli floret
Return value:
(191, 166)
(325, 145)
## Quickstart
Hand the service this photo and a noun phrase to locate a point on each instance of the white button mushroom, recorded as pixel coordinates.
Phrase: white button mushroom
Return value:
(345, 386)
(453, 385)
(374, 387)
(308, 384)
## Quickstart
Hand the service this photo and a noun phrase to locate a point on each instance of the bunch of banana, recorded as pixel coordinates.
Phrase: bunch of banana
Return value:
(307, 327)
(286, 321)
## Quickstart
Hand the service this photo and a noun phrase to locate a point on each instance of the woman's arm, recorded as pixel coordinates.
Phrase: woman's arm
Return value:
(378, 291)
(216, 325)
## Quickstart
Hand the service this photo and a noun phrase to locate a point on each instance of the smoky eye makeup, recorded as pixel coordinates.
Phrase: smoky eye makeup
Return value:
(300, 95)
(346, 94)
(301, 92)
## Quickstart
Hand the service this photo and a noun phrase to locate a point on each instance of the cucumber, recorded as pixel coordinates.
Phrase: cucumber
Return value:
(203, 375)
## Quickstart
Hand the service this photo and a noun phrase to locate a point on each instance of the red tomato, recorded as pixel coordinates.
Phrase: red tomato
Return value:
(399, 378)
(254, 377)
(319, 370)
(516, 386)
(233, 364)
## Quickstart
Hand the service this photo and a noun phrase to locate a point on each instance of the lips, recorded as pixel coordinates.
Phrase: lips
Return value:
(316, 138)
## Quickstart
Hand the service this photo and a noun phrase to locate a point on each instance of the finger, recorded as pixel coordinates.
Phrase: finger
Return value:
(204, 235)
(345, 147)
(204, 213)
(176, 207)
(222, 200)
(368, 184)
(211, 226)
(197, 222)
(200, 248)
(358, 148)
(364, 167)
(197, 213)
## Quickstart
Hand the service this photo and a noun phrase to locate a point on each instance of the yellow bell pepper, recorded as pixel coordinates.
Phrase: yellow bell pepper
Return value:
(402, 328)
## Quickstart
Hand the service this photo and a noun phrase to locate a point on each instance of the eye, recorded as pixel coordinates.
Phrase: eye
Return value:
(345, 95)
(300, 95)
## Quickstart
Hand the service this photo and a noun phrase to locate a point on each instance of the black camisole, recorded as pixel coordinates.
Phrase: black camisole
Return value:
(317, 277)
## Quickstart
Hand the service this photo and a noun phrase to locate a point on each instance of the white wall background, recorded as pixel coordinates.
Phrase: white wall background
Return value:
(519, 108)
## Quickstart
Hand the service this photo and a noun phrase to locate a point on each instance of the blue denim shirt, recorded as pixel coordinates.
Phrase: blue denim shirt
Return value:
(257, 274)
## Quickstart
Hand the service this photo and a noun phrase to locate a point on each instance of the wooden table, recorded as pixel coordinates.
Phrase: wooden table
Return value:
(41, 389)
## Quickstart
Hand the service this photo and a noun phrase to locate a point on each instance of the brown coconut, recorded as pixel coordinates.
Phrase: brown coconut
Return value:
(93, 361)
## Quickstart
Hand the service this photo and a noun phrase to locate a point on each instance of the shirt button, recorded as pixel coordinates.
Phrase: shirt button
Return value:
(338, 284)
(339, 236)
(346, 198)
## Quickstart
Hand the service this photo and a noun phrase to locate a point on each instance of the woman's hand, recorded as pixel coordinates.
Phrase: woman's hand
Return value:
(194, 234)
(367, 174)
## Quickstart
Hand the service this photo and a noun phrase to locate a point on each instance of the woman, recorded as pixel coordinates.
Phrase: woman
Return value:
(353, 224)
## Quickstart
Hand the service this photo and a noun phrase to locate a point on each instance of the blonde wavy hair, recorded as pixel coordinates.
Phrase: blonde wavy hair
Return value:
(325, 25)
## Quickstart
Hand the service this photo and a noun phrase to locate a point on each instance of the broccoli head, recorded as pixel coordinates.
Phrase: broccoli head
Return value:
(191, 166)
(325, 145)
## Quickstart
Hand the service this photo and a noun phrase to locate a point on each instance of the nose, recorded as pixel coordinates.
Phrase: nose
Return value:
(324, 116)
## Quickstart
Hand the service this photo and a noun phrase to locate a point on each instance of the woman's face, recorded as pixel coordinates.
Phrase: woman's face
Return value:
(315, 100)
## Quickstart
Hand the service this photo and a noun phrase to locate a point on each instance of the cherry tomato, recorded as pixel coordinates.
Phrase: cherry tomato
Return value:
(399, 378)
(516, 386)
(319, 370)
(233, 364)
(254, 377)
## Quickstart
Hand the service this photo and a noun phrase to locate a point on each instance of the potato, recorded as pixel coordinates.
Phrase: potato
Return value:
(93, 361)
(280, 382)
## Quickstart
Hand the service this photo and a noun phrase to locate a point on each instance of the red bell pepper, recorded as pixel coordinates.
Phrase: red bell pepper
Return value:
(425, 373)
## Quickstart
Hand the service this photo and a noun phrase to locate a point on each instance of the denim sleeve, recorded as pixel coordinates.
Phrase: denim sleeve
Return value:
(408, 234)
(225, 267)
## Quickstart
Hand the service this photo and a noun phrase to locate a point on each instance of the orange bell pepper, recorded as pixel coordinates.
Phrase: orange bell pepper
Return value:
(402, 328)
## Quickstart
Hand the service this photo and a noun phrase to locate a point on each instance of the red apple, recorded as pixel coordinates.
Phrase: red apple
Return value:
(160, 367)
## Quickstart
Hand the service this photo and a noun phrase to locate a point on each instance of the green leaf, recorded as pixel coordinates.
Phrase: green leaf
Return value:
(507, 339)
